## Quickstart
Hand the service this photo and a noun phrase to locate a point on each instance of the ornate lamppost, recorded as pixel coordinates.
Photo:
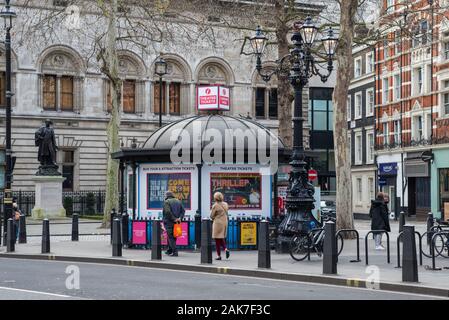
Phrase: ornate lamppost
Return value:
(8, 17)
(300, 65)
(161, 70)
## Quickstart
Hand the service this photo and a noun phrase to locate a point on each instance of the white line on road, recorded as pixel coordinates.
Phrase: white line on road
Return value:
(37, 292)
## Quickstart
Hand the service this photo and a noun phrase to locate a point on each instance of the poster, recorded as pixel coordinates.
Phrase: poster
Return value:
(248, 233)
(139, 232)
(159, 183)
(213, 98)
(182, 240)
(240, 190)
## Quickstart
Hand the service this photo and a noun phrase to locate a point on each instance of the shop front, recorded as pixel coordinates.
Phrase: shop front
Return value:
(439, 188)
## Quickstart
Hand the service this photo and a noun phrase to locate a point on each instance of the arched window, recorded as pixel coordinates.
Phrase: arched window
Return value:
(265, 101)
(132, 72)
(61, 80)
(175, 87)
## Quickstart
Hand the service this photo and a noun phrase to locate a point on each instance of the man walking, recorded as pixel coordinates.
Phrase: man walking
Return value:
(173, 212)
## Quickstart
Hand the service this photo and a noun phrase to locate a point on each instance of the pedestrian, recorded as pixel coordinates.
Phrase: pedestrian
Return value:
(379, 219)
(219, 216)
(173, 213)
(16, 213)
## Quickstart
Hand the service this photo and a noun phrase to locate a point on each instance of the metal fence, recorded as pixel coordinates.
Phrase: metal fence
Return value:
(81, 202)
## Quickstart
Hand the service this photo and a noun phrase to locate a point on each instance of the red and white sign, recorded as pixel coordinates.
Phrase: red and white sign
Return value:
(313, 175)
(213, 98)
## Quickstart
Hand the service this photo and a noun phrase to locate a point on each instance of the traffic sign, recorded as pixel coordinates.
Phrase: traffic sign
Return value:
(313, 175)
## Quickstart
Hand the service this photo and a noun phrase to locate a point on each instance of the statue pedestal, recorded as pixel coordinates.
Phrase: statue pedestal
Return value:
(48, 202)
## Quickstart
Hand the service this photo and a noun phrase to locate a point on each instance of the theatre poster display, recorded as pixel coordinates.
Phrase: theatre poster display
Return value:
(241, 190)
(159, 183)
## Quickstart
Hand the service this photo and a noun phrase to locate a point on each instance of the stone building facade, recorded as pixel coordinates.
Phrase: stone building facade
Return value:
(56, 79)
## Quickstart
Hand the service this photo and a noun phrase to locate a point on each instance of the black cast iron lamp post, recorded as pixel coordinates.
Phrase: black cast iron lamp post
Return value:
(8, 17)
(299, 65)
(160, 70)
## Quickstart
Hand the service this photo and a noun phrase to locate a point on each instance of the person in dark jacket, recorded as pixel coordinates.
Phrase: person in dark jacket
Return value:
(173, 212)
(379, 219)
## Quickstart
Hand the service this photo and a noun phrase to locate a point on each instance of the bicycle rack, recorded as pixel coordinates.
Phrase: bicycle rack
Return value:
(358, 242)
(399, 248)
(366, 244)
(432, 249)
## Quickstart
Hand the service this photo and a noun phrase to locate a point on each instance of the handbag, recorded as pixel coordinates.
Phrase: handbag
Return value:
(177, 230)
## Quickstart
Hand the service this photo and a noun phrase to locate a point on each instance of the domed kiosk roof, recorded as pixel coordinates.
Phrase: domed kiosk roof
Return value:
(247, 135)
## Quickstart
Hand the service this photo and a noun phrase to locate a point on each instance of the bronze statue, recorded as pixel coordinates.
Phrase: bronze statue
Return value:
(45, 139)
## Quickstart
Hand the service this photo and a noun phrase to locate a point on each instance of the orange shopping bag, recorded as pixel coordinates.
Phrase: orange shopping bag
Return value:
(177, 230)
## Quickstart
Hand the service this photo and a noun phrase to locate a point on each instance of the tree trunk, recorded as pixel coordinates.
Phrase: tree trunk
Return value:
(345, 219)
(285, 92)
(110, 66)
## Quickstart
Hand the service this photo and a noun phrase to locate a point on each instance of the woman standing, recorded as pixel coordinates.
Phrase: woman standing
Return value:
(219, 216)
(379, 219)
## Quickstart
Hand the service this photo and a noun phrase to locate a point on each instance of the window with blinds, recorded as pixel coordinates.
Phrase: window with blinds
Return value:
(175, 98)
(157, 97)
(49, 92)
(67, 93)
(129, 96)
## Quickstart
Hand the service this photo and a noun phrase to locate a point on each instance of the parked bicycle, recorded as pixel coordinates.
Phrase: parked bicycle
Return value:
(441, 240)
(303, 244)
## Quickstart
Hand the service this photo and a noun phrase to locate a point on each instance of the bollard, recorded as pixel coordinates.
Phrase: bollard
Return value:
(206, 241)
(117, 239)
(22, 229)
(429, 227)
(10, 237)
(264, 254)
(198, 230)
(113, 215)
(46, 236)
(156, 242)
(330, 254)
(409, 260)
(401, 221)
(125, 227)
(75, 227)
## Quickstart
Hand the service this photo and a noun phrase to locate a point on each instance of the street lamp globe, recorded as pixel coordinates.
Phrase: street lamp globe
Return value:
(7, 15)
(161, 67)
(308, 31)
(258, 42)
(329, 42)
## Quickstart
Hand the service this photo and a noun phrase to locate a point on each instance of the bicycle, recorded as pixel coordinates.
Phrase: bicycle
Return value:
(302, 244)
(441, 246)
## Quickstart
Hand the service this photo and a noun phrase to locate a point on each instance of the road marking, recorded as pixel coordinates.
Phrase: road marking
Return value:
(37, 292)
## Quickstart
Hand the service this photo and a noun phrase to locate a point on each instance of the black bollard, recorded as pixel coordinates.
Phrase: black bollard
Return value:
(330, 249)
(22, 229)
(113, 215)
(401, 221)
(125, 226)
(45, 236)
(75, 227)
(197, 230)
(429, 227)
(206, 241)
(10, 237)
(117, 239)
(264, 254)
(409, 260)
(156, 242)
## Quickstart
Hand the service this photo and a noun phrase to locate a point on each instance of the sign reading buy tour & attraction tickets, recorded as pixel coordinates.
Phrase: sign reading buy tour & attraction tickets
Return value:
(213, 98)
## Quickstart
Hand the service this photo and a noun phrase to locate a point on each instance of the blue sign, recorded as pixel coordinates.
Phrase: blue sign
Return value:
(388, 169)
(382, 182)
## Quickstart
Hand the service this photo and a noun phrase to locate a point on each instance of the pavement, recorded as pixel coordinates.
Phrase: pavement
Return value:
(95, 248)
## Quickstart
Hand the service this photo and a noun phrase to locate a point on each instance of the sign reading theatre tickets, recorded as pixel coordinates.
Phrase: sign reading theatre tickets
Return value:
(246, 189)
(213, 98)
(154, 180)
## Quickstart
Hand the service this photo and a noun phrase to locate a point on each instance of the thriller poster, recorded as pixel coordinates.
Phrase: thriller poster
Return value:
(240, 190)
